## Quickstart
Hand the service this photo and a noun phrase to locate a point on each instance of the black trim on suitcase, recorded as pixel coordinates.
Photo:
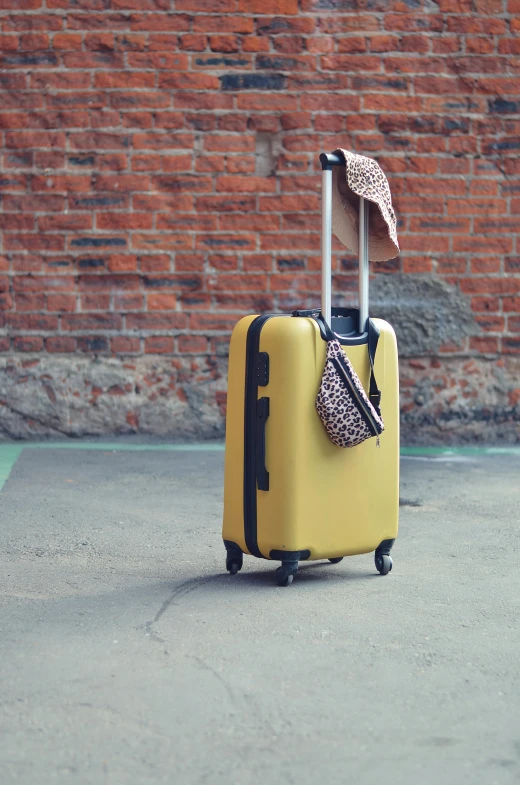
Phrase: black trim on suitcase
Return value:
(285, 556)
(253, 461)
(262, 413)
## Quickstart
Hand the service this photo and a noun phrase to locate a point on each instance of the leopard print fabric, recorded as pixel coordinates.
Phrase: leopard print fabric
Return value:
(338, 408)
(365, 178)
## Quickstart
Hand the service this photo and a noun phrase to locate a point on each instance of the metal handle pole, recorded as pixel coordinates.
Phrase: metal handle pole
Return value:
(363, 264)
(326, 245)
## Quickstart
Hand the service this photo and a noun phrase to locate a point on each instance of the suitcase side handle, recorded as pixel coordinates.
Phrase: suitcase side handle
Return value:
(328, 160)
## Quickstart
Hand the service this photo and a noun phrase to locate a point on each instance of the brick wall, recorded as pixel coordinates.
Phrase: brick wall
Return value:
(160, 179)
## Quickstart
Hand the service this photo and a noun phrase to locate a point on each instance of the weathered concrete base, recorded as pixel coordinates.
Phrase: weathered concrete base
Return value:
(448, 400)
(44, 396)
(457, 400)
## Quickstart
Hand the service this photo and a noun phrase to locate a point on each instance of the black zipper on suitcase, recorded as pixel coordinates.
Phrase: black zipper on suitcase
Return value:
(256, 375)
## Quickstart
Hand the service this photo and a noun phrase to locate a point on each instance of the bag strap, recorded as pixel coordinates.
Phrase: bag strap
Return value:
(374, 392)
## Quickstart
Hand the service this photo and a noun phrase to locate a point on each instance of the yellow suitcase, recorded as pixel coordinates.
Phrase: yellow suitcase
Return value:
(290, 494)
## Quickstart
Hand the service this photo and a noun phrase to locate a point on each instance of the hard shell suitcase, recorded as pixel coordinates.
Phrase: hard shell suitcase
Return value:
(290, 494)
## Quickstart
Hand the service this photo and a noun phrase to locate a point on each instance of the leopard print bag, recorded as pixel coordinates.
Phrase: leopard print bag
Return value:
(348, 414)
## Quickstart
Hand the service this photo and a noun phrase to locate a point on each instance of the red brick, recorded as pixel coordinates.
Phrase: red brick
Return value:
(91, 321)
(125, 345)
(162, 141)
(92, 344)
(239, 184)
(176, 222)
(161, 302)
(157, 22)
(15, 221)
(122, 263)
(392, 103)
(253, 43)
(500, 224)
(163, 201)
(280, 204)
(207, 101)
(67, 41)
(162, 242)
(157, 321)
(228, 242)
(489, 285)
(159, 344)
(446, 45)
(192, 344)
(124, 80)
(128, 302)
(32, 321)
(35, 139)
(141, 5)
(28, 344)
(414, 22)
(483, 345)
(60, 183)
(218, 322)
(188, 81)
(97, 283)
(491, 324)
(497, 245)
(239, 163)
(486, 206)
(124, 221)
(158, 60)
(485, 304)
(486, 265)
(60, 344)
(29, 302)
(267, 102)
(96, 140)
(278, 7)
(61, 302)
(224, 43)
(188, 42)
(227, 143)
(65, 223)
(122, 182)
(33, 242)
(511, 345)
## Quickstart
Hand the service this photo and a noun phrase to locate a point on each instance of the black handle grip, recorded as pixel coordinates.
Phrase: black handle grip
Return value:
(328, 160)
(262, 414)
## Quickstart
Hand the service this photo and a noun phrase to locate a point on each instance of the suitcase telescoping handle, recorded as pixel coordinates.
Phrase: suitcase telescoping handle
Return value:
(328, 160)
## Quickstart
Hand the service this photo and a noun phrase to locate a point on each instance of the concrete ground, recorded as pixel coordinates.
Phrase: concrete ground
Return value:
(129, 657)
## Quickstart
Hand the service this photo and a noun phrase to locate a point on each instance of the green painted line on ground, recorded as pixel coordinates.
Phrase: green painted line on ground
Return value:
(219, 446)
(128, 447)
(8, 456)
(410, 452)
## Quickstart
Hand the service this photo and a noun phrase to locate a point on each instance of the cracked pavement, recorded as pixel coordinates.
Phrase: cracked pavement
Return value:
(129, 657)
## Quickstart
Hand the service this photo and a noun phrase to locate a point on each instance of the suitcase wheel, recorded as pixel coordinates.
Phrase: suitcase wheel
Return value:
(234, 564)
(383, 563)
(283, 577)
(336, 560)
(285, 574)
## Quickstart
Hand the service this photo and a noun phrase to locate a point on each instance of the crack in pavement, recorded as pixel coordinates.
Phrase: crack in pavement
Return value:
(207, 667)
(180, 591)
